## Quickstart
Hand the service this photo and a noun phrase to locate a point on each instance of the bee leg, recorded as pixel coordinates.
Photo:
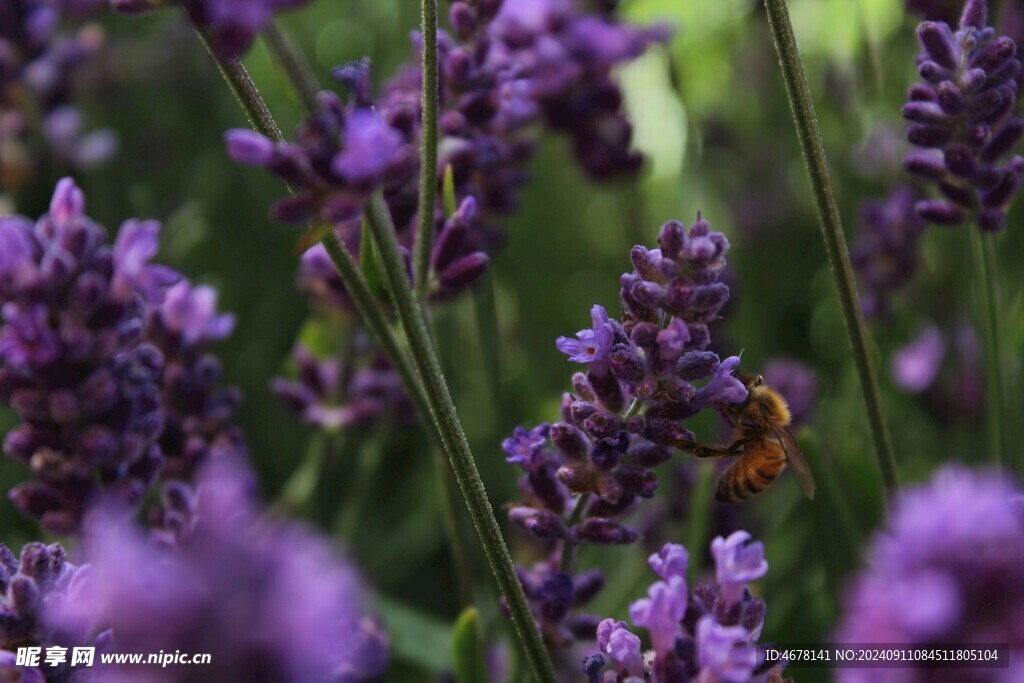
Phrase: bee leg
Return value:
(702, 450)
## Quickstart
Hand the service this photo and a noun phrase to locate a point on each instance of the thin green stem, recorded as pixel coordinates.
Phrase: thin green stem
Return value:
(571, 552)
(832, 231)
(428, 152)
(297, 493)
(366, 467)
(294, 64)
(454, 438)
(262, 120)
(991, 327)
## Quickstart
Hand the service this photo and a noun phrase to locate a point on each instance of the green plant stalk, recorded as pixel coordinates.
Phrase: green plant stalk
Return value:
(284, 52)
(455, 443)
(832, 231)
(428, 151)
(992, 328)
(261, 120)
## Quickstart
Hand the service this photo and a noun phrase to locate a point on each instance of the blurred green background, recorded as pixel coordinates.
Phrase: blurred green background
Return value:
(711, 114)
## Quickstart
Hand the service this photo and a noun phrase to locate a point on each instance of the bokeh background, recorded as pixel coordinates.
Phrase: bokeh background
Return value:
(711, 116)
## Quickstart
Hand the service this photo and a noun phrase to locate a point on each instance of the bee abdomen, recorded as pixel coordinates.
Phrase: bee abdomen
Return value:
(747, 477)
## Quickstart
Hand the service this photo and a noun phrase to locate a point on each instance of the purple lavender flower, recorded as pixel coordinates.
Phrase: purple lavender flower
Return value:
(28, 585)
(198, 416)
(699, 635)
(330, 396)
(798, 385)
(554, 595)
(268, 599)
(38, 66)
(591, 345)
(963, 116)
(946, 570)
(915, 366)
(885, 253)
(73, 363)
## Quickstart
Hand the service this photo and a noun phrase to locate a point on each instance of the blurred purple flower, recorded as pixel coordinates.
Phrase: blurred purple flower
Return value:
(268, 599)
(963, 116)
(916, 365)
(73, 362)
(797, 383)
(947, 569)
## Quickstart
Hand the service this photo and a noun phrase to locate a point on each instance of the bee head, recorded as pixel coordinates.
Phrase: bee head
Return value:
(749, 381)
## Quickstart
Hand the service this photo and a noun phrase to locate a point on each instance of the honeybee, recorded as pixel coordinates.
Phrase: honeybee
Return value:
(763, 441)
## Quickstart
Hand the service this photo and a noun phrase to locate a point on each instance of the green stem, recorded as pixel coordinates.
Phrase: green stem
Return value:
(366, 466)
(294, 64)
(262, 120)
(428, 152)
(297, 492)
(832, 231)
(699, 515)
(443, 410)
(571, 552)
(991, 328)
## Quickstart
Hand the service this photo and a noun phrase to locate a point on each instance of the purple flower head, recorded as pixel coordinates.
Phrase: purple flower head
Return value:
(331, 397)
(370, 146)
(591, 345)
(268, 599)
(191, 312)
(73, 364)
(962, 115)
(737, 563)
(916, 366)
(622, 647)
(661, 611)
(797, 383)
(524, 445)
(671, 560)
(724, 651)
(946, 569)
(723, 387)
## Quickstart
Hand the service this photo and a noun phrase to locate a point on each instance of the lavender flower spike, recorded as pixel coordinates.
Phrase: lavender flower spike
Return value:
(963, 116)
(73, 363)
(591, 345)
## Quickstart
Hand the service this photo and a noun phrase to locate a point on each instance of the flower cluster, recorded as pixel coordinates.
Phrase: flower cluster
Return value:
(947, 570)
(198, 416)
(74, 364)
(38, 63)
(29, 586)
(627, 411)
(507, 67)
(231, 26)
(885, 253)
(705, 635)
(329, 395)
(268, 599)
(963, 117)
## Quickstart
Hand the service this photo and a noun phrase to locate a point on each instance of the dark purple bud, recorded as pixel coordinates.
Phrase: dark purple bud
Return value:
(1004, 140)
(592, 666)
(458, 67)
(607, 451)
(977, 136)
(991, 105)
(609, 488)
(975, 14)
(648, 454)
(577, 477)
(959, 160)
(580, 411)
(958, 194)
(951, 100)
(1000, 196)
(992, 220)
(938, 40)
(995, 56)
(671, 239)
(932, 72)
(97, 445)
(583, 626)
(64, 406)
(924, 112)
(581, 385)
(587, 585)
(298, 209)
(23, 595)
(449, 244)
(636, 424)
(608, 390)
(606, 532)
(603, 425)
(925, 164)
(667, 432)
(645, 335)
(356, 76)
(924, 135)
(465, 271)
(545, 486)
(987, 177)
(627, 365)
(249, 147)
(463, 19)
(637, 480)
(697, 365)
(919, 92)
(646, 263)
(538, 523)
(570, 441)
(940, 212)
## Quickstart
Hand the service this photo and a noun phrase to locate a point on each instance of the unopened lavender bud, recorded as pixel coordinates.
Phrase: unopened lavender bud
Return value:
(938, 41)
(463, 19)
(925, 165)
(587, 585)
(924, 112)
(581, 385)
(608, 390)
(1000, 195)
(249, 147)
(539, 523)
(577, 476)
(646, 263)
(975, 14)
(627, 365)
(570, 441)
(606, 532)
(648, 454)
(950, 99)
(545, 486)
(465, 271)
(924, 135)
(940, 212)
(607, 451)
(637, 480)
(930, 71)
(602, 425)
(992, 220)
(959, 160)
(1003, 141)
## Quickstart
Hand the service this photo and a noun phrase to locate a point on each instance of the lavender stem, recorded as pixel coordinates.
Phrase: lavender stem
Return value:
(294, 64)
(991, 326)
(428, 152)
(832, 231)
(457, 447)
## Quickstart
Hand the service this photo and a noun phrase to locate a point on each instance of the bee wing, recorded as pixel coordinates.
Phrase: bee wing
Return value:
(796, 461)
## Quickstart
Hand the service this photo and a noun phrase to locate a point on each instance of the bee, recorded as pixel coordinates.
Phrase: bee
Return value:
(763, 441)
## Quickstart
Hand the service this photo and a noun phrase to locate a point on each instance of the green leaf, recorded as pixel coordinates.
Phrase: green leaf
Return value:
(417, 638)
(468, 648)
(373, 270)
(448, 192)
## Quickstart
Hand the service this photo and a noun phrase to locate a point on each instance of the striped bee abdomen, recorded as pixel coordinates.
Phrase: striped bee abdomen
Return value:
(761, 463)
